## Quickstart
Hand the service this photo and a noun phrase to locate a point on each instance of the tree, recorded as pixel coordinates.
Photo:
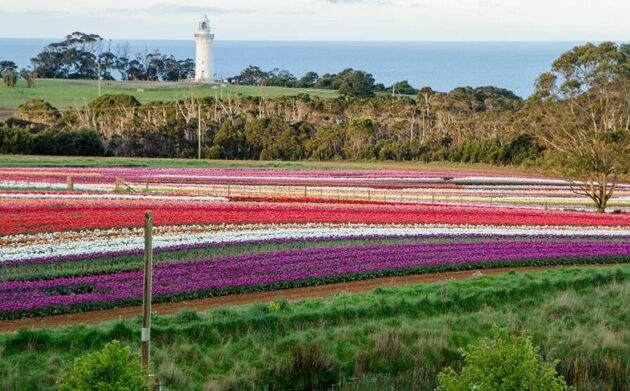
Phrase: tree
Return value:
(252, 75)
(359, 137)
(585, 121)
(10, 78)
(308, 80)
(229, 141)
(403, 87)
(73, 58)
(113, 368)
(29, 76)
(502, 363)
(357, 84)
(7, 66)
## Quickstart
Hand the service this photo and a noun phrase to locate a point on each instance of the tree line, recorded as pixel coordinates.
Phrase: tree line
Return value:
(349, 81)
(460, 125)
(89, 56)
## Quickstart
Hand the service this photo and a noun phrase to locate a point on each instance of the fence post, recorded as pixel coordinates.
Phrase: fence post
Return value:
(146, 296)
(305, 191)
(69, 183)
(119, 183)
(369, 195)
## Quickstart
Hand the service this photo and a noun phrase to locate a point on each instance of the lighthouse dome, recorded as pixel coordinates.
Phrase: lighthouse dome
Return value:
(204, 25)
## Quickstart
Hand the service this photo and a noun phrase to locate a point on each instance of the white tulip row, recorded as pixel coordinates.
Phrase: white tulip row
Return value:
(111, 196)
(219, 234)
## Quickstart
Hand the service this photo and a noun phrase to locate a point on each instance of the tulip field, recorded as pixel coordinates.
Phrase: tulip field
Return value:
(229, 231)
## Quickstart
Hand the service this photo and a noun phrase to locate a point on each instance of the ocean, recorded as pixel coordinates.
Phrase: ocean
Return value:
(440, 65)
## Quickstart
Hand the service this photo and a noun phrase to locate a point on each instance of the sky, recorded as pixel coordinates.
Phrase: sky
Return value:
(323, 20)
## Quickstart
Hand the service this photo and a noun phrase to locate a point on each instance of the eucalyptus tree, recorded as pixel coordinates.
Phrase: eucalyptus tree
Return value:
(581, 112)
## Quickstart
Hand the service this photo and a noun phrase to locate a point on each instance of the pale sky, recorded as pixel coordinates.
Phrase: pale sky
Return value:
(323, 20)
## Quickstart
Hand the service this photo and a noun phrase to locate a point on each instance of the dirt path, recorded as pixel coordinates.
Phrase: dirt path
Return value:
(291, 294)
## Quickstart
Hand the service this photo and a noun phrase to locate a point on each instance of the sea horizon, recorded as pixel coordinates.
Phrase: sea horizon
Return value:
(441, 65)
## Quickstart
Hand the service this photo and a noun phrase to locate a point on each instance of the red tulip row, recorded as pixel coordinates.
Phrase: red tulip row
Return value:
(31, 216)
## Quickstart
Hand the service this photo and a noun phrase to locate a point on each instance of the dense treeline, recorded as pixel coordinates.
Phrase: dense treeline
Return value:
(466, 124)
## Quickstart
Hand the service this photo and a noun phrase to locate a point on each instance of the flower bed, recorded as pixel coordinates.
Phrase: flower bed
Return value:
(282, 269)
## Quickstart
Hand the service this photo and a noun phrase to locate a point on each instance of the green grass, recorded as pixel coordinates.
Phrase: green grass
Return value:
(75, 93)
(394, 339)
(80, 161)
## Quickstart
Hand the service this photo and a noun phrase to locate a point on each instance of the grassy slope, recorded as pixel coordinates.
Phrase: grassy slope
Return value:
(66, 93)
(577, 315)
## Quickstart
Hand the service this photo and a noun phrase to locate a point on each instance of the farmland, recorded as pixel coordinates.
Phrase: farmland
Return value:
(74, 93)
(72, 242)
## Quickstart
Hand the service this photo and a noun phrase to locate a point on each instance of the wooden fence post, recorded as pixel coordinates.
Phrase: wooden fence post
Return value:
(146, 296)
(119, 184)
(70, 183)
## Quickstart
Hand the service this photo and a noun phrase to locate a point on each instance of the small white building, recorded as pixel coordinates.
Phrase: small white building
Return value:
(204, 69)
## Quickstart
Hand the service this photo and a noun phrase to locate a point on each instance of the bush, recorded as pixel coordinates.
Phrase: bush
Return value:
(10, 78)
(113, 368)
(502, 363)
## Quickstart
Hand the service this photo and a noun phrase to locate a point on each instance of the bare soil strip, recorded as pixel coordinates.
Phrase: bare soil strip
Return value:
(293, 294)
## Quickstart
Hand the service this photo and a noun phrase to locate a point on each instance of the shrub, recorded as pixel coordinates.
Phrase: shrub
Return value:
(113, 368)
(502, 363)
(10, 78)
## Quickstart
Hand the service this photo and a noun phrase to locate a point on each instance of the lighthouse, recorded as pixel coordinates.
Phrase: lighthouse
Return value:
(204, 71)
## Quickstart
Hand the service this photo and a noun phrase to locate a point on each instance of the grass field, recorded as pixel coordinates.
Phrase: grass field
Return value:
(72, 93)
(78, 161)
(399, 336)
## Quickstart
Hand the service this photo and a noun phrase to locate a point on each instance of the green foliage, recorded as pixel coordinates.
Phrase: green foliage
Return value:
(502, 363)
(357, 84)
(113, 368)
(20, 140)
(402, 87)
(7, 66)
(229, 141)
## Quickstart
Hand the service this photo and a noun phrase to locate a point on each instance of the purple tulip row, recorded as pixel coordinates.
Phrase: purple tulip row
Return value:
(197, 246)
(287, 266)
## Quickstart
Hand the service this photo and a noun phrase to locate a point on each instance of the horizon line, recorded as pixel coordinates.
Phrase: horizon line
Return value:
(348, 41)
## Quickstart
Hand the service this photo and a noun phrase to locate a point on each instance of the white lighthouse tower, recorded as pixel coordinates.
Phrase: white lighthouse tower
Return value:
(204, 70)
